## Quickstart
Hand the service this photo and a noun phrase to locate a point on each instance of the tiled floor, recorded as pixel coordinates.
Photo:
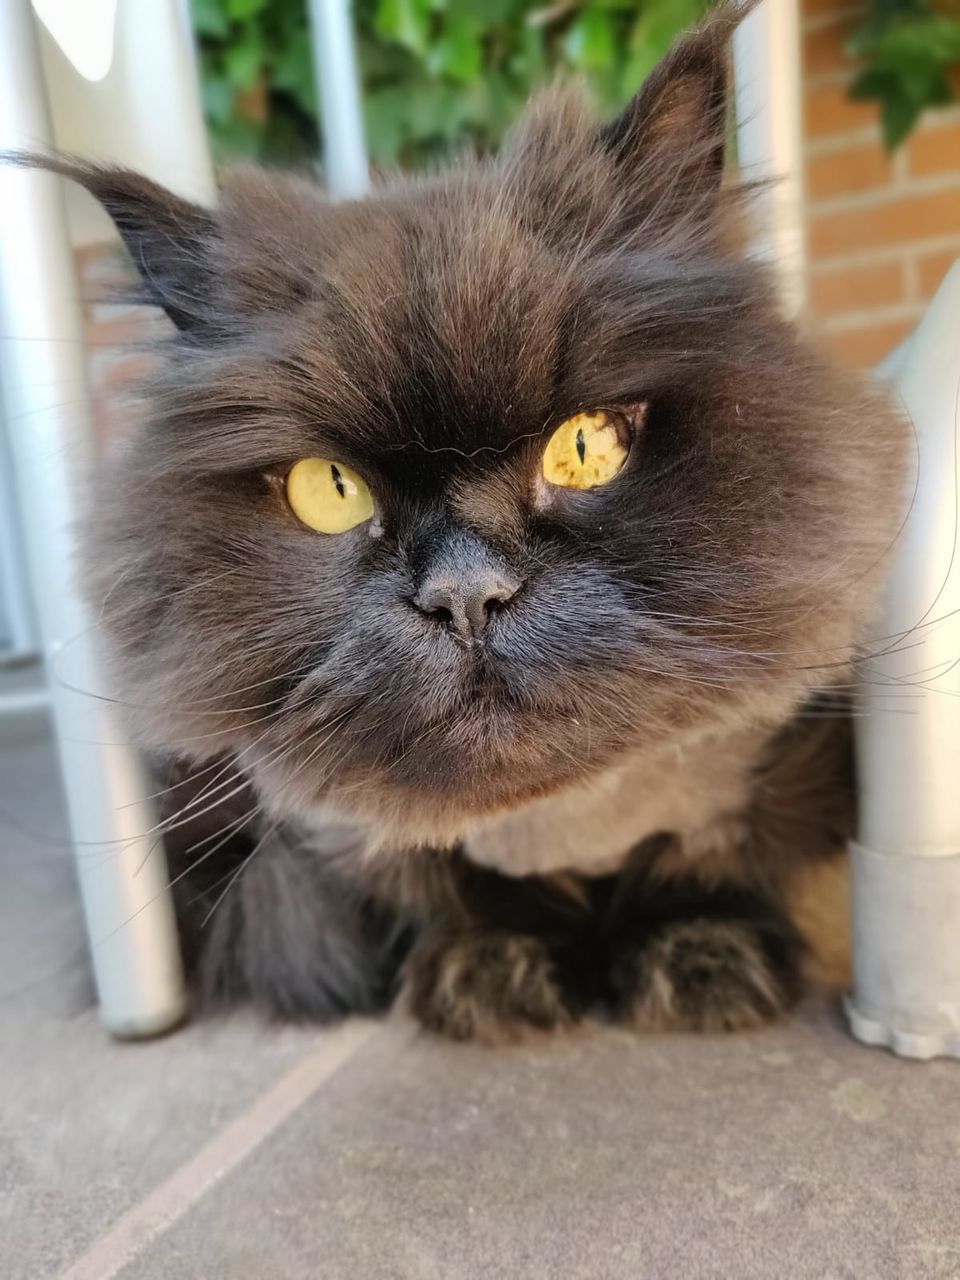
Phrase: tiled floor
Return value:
(238, 1150)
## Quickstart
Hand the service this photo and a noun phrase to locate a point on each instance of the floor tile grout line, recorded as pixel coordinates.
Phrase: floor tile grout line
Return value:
(172, 1198)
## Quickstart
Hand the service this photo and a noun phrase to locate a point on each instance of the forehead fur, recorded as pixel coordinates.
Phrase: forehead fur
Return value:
(464, 309)
(460, 311)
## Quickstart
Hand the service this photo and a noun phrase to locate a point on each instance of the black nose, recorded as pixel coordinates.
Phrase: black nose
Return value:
(464, 587)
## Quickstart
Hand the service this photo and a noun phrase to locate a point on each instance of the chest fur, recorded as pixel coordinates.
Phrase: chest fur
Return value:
(591, 828)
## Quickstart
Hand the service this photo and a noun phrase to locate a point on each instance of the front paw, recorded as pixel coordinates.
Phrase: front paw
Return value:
(705, 975)
(487, 985)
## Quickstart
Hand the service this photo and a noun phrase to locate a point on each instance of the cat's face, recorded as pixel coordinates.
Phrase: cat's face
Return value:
(483, 632)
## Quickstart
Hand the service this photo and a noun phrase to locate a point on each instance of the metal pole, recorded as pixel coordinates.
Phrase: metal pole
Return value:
(766, 52)
(17, 629)
(906, 861)
(122, 872)
(335, 66)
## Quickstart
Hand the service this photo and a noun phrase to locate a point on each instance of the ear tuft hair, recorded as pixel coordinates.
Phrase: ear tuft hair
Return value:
(673, 132)
(168, 238)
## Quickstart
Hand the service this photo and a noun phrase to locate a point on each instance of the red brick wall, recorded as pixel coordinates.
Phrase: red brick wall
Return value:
(115, 337)
(881, 230)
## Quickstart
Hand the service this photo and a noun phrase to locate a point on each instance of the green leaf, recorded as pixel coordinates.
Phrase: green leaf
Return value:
(905, 52)
(406, 21)
(293, 71)
(899, 114)
(590, 41)
(930, 39)
(238, 139)
(242, 62)
(458, 53)
(873, 83)
(658, 24)
(383, 127)
(240, 10)
(492, 13)
(217, 99)
(528, 61)
(637, 67)
(209, 18)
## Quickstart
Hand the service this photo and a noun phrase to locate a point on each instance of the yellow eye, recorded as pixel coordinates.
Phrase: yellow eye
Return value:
(327, 496)
(585, 451)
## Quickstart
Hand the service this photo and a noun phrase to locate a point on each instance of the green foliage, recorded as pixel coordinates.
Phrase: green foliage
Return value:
(441, 74)
(907, 49)
(437, 74)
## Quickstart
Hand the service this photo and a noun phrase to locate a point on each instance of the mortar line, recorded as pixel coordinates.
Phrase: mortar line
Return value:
(172, 1198)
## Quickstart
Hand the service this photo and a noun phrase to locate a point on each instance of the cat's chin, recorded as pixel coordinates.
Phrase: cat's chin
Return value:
(393, 813)
(397, 817)
(431, 787)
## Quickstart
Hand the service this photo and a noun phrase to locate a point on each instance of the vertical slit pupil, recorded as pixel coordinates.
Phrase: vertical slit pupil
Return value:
(581, 446)
(338, 480)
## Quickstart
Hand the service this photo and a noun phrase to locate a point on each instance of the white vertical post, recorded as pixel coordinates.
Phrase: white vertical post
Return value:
(335, 66)
(17, 631)
(766, 51)
(906, 862)
(123, 877)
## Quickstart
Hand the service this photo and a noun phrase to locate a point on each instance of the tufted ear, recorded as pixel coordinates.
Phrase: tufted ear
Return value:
(169, 239)
(669, 141)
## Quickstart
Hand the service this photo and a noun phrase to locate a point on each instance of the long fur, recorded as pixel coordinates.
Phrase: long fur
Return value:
(432, 337)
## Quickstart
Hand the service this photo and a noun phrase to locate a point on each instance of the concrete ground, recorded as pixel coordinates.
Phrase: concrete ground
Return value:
(236, 1149)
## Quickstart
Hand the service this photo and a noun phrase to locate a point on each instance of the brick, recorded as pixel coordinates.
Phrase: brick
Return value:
(112, 419)
(862, 348)
(935, 150)
(892, 222)
(824, 49)
(855, 288)
(859, 168)
(932, 267)
(101, 266)
(120, 332)
(828, 110)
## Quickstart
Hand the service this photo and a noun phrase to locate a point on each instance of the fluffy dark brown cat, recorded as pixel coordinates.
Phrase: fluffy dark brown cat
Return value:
(554, 717)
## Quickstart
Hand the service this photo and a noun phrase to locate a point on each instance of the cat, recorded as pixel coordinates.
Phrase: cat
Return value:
(496, 557)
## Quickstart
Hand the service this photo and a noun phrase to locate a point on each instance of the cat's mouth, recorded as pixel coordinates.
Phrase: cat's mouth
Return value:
(435, 750)
(495, 756)
(430, 783)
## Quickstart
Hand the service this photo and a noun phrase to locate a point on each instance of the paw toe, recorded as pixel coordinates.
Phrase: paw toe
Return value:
(490, 987)
(700, 976)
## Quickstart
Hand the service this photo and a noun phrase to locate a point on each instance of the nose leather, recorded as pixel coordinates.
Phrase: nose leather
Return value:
(464, 586)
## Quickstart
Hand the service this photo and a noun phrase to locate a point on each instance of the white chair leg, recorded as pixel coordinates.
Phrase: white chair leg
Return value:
(122, 870)
(335, 66)
(769, 102)
(906, 864)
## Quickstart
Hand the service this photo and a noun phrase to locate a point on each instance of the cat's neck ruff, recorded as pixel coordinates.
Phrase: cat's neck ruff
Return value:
(590, 828)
